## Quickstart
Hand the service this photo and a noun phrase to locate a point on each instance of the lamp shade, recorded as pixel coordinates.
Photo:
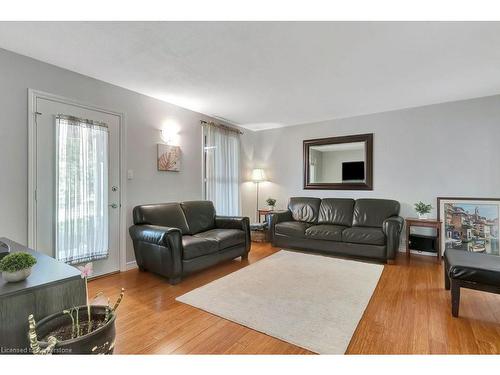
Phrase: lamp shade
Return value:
(258, 175)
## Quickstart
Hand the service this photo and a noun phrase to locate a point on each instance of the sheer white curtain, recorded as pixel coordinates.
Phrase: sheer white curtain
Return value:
(81, 190)
(222, 169)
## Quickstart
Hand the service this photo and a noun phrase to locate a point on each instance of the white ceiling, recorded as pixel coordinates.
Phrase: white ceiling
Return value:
(263, 75)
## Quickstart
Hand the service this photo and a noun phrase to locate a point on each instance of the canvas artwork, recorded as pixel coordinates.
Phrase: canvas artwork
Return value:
(169, 158)
(470, 224)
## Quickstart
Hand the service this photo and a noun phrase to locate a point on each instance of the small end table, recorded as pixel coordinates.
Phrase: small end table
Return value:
(263, 211)
(426, 223)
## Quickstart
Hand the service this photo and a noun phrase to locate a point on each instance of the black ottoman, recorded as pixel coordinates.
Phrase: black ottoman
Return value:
(465, 269)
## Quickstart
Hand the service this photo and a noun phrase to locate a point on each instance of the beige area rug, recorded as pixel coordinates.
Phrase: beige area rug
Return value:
(311, 301)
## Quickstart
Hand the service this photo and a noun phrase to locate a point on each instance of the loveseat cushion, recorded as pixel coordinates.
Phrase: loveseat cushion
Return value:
(292, 228)
(373, 212)
(364, 235)
(200, 215)
(161, 214)
(325, 232)
(304, 209)
(336, 211)
(224, 237)
(194, 247)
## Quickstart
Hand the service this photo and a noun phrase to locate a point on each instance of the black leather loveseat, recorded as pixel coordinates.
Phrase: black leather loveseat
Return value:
(367, 228)
(173, 239)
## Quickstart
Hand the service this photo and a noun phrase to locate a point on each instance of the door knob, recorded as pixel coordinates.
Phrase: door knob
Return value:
(113, 205)
(114, 188)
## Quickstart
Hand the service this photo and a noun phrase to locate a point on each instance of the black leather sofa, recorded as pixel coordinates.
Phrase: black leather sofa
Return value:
(366, 228)
(174, 239)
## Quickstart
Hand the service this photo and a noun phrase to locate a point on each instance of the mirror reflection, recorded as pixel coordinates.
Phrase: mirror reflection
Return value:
(337, 163)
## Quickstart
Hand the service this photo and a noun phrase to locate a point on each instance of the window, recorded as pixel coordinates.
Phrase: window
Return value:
(221, 156)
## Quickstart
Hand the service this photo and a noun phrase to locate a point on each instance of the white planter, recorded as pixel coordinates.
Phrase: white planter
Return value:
(14, 277)
(422, 216)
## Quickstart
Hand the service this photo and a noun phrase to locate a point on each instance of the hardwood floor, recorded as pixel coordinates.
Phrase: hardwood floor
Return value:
(409, 313)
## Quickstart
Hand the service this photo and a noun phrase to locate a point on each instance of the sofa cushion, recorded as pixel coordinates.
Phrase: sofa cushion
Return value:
(224, 237)
(292, 228)
(194, 247)
(325, 232)
(337, 211)
(304, 209)
(200, 215)
(373, 212)
(364, 235)
(162, 214)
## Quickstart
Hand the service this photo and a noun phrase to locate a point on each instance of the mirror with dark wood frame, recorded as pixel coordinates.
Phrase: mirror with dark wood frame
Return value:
(339, 163)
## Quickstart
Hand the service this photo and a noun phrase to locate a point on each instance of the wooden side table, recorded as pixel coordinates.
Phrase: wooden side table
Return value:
(263, 211)
(426, 223)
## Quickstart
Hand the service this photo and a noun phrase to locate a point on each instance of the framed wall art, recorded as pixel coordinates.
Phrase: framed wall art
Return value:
(169, 158)
(469, 224)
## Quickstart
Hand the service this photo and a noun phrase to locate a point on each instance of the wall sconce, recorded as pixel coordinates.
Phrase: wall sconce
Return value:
(169, 137)
(170, 133)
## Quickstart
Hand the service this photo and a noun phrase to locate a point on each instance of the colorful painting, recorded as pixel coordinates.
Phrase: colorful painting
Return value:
(469, 224)
(169, 158)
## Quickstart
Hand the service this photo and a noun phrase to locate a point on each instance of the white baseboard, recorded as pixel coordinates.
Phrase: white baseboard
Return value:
(131, 265)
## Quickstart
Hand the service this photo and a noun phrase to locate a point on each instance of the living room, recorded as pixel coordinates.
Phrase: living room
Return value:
(250, 187)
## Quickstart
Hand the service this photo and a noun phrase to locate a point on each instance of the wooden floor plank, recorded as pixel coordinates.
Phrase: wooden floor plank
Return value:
(409, 313)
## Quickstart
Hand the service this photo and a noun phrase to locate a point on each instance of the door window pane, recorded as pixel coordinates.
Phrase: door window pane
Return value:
(81, 230)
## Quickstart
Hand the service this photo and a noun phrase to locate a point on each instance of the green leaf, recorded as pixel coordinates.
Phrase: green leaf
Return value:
(17, 261)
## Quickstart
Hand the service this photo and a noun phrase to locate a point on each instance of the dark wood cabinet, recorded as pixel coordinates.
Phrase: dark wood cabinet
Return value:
(52, 287)
(425, 223)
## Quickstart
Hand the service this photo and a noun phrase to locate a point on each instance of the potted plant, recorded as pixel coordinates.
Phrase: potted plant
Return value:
(88, 329)
(17, 266)
(271, 202)
(422, 209)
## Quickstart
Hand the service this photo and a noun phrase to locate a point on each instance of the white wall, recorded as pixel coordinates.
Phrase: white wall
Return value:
(144, 117)
(331, 168)
(450, 149)
(419, 154)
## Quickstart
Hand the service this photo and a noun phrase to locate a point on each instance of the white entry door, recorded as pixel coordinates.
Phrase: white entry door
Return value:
(77, 196)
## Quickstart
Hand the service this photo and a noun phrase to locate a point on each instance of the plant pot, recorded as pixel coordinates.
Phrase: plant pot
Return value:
(100, 341)
(422, 216)
(14, 277)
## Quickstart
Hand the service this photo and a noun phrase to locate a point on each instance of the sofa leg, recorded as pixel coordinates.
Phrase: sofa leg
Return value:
(455, 298)
(244, 256)
(142, 269)
(446, 278)
(174, 280)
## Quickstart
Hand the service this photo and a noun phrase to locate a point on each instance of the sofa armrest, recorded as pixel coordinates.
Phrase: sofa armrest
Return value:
(232, 222)
(277, 217)
(235, 222)
(392, 228)
(158, 249)
(154, 234)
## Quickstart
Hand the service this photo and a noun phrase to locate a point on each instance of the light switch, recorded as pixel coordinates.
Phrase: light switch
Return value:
(130, 174)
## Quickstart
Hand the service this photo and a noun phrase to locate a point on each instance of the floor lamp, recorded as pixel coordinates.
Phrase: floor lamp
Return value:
(258, 176)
